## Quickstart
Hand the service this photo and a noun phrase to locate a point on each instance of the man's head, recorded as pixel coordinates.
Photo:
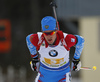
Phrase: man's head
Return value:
(48, 24)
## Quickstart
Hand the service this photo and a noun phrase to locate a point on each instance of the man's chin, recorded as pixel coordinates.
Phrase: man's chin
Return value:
(50, 42)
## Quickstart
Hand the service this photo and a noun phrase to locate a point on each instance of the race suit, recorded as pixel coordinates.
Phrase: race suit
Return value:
(54, 59)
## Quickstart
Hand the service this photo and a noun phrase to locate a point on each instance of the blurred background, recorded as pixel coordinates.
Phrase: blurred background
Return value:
(18, 18)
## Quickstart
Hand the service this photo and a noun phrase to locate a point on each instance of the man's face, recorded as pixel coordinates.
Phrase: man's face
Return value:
(50, 36)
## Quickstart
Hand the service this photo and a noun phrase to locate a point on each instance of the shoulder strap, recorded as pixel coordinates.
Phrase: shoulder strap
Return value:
(60, 33)
(40, 41)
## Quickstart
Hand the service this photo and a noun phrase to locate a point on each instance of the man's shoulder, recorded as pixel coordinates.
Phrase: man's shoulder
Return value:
(70, 40)
(62, 34)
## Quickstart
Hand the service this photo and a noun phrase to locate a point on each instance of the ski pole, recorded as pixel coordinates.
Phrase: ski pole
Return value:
(89, 68)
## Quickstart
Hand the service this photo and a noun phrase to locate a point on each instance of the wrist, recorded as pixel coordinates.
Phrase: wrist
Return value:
(35, 60)
(75, 61)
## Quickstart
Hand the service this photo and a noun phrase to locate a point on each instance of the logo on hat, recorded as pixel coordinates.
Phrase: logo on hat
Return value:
(46, 26)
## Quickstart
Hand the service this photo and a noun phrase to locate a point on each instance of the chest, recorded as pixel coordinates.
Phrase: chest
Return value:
(58, 51)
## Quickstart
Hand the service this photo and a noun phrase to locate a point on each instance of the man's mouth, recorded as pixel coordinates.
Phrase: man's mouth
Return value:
(49, 40)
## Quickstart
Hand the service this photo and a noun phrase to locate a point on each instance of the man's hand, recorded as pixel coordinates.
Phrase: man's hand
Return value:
(76, 64)
(35, 64)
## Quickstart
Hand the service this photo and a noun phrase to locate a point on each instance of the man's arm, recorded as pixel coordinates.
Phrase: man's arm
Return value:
(78, 42)
(76, 63)
(79, 46)
(32, 41)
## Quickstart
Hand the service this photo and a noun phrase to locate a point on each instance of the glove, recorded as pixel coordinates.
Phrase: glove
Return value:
(35, 64)
(76, 64)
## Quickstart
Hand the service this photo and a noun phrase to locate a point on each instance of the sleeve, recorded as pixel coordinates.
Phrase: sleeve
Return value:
(79, 47)
(70, 40)
(32, 41)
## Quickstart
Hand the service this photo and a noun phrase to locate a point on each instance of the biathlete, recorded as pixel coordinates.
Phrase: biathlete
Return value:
(49, 50)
